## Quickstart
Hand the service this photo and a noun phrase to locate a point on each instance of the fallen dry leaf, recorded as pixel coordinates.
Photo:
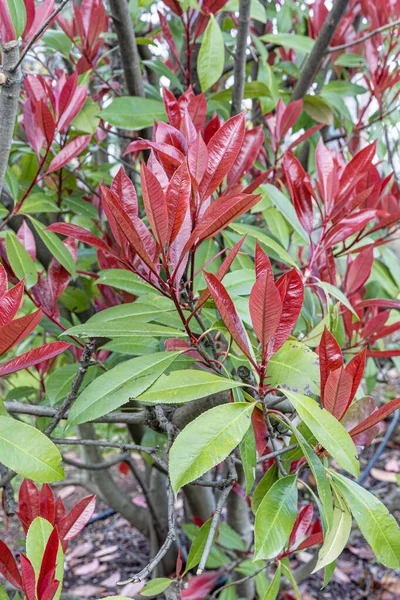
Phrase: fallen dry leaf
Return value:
(391, 583)
(79, 551)
(112, 581)
(381, 475)
(87, 591)
(87, 568)
(365, 553)
(106, 550)
(130, 589)
(393, 464)
(109, 557)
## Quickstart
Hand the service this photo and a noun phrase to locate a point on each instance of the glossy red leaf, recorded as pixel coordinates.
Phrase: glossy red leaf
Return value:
(3, 281)
(8, 566)
(356, 368)
(260, 430)
(265, 310)
(262, 263)
(58, 277)
(49, 563)
(60, 511)
(178, 200)
(313, 540)
(123, 188)
(385, 331)
(302, 138)
(291, 290)
(33, 357)
(374, 323)
(379, 303)
(73, 107)
(353, 170)
(28, 577)
(174, 6)
(25, 236)
(155, 205)
(169, 38)
(223, 149)
(376, 417)
(197, 109)
(14, 332)
(47, 503)
(69, 152)
(80, 234)
(168, 154)
(200, 586)
(50, 591)
(197, 159)
(359, 271)
(28, 503)
(330, 358)
(252, 144)
(300, 191)
(348, 226)
(301, 524)
(172, 107)
(383, 353)
(167, 134)
(288, 117)
(327, 174)
(77, 518)
(337, 392)
(10, 302)
(45, 121)
(228, 312)
(222, 271)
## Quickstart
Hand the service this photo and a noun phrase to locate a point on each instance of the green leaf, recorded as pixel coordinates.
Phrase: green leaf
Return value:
(230, 539)
(259, 235)
(80, 207)
(3, 593)
(124, 280)
(289, 575)
(343, 88)
(252, 89)
(58, 40)
(268, 480)
(114, 388)
(143, 309)
(338, 294)
(376, 524)
(12, 183)
(336, 537)
(119, 330)
(56, 247)
(294, 367)
(154, 587)
(38, 203)
(318, 109)
(207, 441)
(197, 547)
(248, 455)
(290, 41)
(159, 67)
(184, 386)
(273, 588)
(27, 451)
(87, 119)
(17, 12)
(37, 537)
(285, 206)
(20, 261)
(210, 62)
(329, 432)
(258, 12)
(133, 112)
(275, 518)
(350, 60)
(137, 346)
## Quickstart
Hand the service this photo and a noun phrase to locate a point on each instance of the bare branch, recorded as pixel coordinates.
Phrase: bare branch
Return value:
(239, 71)
(364, 38)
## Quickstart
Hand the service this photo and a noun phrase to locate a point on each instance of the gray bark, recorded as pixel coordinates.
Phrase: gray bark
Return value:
(239, 71)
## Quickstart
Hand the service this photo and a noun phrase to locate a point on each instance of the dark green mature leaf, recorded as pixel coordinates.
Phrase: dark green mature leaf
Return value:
(328, 431)
(133, 112)
(123, 330)
(285, 207)
(114, 388)
(210, 62)
(20, 261)
(36, 458)
(207, 441)
(376, 524)
(290, 41)
(197, 547)
(268, 480)
(56, 247)
(124, 280)
(275, 518)
(264, 239)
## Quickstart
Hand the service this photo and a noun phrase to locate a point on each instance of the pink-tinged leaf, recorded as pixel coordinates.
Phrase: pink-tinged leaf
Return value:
(33, 131)
(14, 332)
(197, 159)
(155, 205)
(384, 332)
(172, 107)
(3, 281)
(314, 539)
(265, 310)
(69, 152)
(28, 577)
(167, 134)
(289, 117)
(28, 503)
(8, 566)
(379, 303)
(301, 524)
(228, 312)
(123, 188)
(10, 302)
(291, 290)
(33, 357)
(60, 511)
(302, 138)
(6, 27)
(25, 236)
(126, 226)
(300, 190)
(222, 271)
(327, 174)
(211, 128)
(337, 392)
(168, 154)
(262, 264)
(376, 417)
(200, 586)
(58, 277)
(169, 38)
(386, 222)
(356, 369)
(80, 234)
(330, 358)
(197, 109)
(174, 6)
(73, 108)
(47, 504)
(252, 144)
(383, 353)
(221, 212)
(223, 149)
(46, 121)
(49, 563)
(260, 430)
(375, 323)
(349, 226)
(77, 518)
(178, 200)
(359, 164)
(358, 271)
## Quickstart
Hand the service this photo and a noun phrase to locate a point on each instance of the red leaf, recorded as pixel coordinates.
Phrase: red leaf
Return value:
(80, 234)
(201, 585)
(174, 6)
(33, 357)
(7, 27)
(330, 358)
(337, 392)
(223, 149)
(178, 200)
(348, 226)
(300, 190)
(197, 109)
(356, 369)
(358, 271)
(383, 353)
(3, 281)
(172, 105)
(49, 563)
(305, 136)
(358, 164)
(8, 566)
(16, 331)
(50, 591)
(197, 159)
(77, 518)
(291, 289)
(10, 302)
(376, 417)
(252, 143)
(385, 331)
(28, 577)
(70, 151)
(265, 310)
(262, 264)
(327, 174)
(228, 312)
(47, 504)
(222, 271)
(260, 430)
(155, 205)
(45, 121)
(25, 236)
(74, 106)
(380, 303)
(301, 525)
(28, 503)
(313, 540)
(123, 188)
(289, 117)
(58, 277)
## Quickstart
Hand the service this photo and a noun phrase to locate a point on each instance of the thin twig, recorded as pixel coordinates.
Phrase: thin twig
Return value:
(239, 581)
(96, 466)
(364, 38)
